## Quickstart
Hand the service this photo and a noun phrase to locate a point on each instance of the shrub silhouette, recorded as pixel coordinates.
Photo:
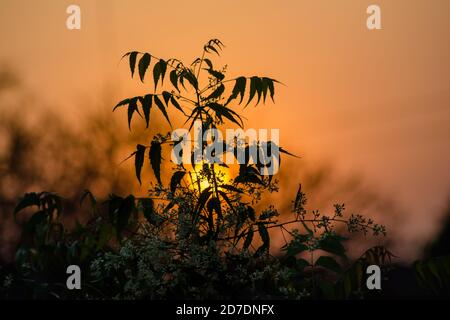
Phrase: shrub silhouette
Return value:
(198, 236)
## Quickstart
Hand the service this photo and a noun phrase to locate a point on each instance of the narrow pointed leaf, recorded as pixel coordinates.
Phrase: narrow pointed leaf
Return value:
(174, 79)
(155, 159)
(143, 65)
(146, 102)
(133, 56)
(139, 160)
(161, 107)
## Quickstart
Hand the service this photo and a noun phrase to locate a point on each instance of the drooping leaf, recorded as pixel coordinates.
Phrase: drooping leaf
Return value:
(176, 104)
(146, 102)
(255, 87)
(239, 89)
(191, 78)
(271, 89)
(217, 92)
(166, 96)
(121, 103)
(174, 79)
(162, 108)
(264, 87)
(133, 56)
(159, 71)
(139, 160)
(221, 110)
(176, 179)
(248, 239)
(132, 107)
(143, 65)
(155, 159)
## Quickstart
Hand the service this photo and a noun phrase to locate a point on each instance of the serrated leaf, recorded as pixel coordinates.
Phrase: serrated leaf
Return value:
(143, 65)
(162, 108)
(139, 160)
(146, 102)
(221, 110)
(217, 92)
(133, 56)
(155, 159)
(238, 89)
(255, 85)
(159, 71)
(132, 107)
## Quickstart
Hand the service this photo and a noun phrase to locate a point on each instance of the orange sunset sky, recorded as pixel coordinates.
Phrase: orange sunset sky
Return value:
(373, 103)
